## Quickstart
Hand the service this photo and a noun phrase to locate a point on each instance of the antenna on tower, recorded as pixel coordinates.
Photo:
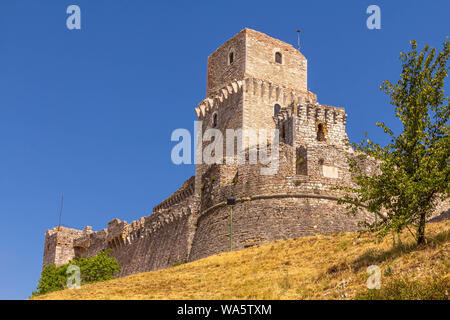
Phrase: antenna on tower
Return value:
(60, 212)
(298, 39)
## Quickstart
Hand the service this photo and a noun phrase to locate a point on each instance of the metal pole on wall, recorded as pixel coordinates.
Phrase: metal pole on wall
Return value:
(231, 201)
(60, 212)
(231, 228)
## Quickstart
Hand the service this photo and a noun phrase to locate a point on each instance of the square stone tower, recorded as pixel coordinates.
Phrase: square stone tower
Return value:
(274, 72)
(252, 54)
(248, 77)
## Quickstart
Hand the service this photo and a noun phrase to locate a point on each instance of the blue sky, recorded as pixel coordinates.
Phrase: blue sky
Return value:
(89, 113)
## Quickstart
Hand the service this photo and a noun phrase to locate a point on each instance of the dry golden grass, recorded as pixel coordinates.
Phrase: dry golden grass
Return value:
(316, 267)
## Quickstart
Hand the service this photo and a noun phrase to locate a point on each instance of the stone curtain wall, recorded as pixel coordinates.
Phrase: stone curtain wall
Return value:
(262, 220)
(157, 241)
(150, 249)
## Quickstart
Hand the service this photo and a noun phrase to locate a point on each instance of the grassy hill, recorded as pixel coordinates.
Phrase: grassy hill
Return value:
(329, 266)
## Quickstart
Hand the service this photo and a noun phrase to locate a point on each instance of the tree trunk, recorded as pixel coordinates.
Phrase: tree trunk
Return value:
(421, 229)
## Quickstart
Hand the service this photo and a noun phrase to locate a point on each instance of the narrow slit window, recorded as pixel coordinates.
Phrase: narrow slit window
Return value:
(231, 57)
(301, 164)
(276, 109)
(278, 58)
(214, 120)
(283, 132)
(320, 132)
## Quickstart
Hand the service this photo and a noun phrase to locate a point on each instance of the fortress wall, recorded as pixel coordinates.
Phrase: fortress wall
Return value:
(227, 104)
(90, 243)
(222, 181)
(159, 242)
(150, 243)
(272, 207)
(320, 159)
(309, 116)
(263, 220)
(441, 211)
(186, 190)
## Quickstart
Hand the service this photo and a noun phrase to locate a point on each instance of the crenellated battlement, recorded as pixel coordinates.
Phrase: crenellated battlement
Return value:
(270, 92)
(185, 191)
(123, 238)
(213, 103)
(308, 112)
(317, 112)
(267, 92)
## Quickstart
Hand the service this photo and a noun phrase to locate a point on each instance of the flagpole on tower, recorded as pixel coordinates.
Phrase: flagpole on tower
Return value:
(60, 212)
(298, 39)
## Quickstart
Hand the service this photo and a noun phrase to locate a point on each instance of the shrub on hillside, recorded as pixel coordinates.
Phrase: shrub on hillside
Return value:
(99, 268)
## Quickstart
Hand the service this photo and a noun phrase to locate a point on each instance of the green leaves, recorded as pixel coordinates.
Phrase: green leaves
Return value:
(413, 169)
(102, 267)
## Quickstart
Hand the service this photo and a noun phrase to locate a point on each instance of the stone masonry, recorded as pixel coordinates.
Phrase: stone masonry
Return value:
(253, 82)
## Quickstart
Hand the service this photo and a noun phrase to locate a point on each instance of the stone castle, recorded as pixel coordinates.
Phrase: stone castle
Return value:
(253, 81)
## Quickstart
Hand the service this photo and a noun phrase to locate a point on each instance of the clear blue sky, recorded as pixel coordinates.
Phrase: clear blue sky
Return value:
(89, 113)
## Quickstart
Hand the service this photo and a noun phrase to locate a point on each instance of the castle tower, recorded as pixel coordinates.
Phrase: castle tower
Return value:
(58, 246)
(252, 54)
(258, 82)
(271, 71)
(252, 80)
(248, 77)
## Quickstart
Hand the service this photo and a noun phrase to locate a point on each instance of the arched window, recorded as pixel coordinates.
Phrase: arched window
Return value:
(320, 132)
(230, 57)
(214, 124)
(278, 58)
(276, 109)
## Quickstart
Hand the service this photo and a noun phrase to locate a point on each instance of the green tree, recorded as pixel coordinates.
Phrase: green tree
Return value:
(101, 267)
(413, 169)
(52, 279)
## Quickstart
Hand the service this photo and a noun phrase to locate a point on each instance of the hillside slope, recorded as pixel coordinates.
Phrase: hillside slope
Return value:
(316, 267)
